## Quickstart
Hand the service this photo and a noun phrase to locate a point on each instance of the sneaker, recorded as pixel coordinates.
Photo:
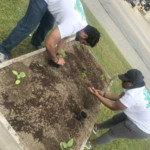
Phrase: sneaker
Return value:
(88, 145)
(96, 129)
(36, 47)
(3, 57)
(39, 47)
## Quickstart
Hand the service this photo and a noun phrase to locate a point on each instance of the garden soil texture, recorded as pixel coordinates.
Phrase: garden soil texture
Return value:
(43, 108)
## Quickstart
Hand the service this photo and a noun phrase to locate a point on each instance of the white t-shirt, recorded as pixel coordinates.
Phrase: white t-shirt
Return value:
(69, 16)
(137, 102)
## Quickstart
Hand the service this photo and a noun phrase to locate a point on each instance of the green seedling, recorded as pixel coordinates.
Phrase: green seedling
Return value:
(78, 47)
(102, 77)
(67, 146)
(63, 53)
(84, 74)
(18, 76)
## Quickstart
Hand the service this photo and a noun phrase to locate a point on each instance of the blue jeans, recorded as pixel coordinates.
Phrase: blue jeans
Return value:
(37, 12)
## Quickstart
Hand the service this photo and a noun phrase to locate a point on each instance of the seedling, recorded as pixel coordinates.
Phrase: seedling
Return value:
(18, 76)
(102, 77)
(84, 74)
(78, 47)
(67, 146)
(63, 53)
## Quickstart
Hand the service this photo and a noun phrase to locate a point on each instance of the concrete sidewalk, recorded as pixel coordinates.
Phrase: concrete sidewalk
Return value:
(143, 21)
(147, 16)
(6, 140)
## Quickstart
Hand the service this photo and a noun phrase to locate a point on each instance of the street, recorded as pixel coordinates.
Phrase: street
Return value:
(128, 29)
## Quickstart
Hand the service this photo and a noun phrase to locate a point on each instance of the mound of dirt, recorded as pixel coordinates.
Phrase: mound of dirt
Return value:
(43, 108)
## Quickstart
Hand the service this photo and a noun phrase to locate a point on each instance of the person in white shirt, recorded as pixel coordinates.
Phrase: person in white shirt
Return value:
(70, 19)
(134, 121)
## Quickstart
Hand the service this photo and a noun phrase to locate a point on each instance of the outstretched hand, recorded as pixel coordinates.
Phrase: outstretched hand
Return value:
(95, 92)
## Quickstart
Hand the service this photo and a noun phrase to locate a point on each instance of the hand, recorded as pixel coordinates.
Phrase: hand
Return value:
(60, 61)
(94, 91)
(101, 93)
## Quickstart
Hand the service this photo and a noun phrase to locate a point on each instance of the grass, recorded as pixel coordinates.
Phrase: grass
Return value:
(106, 53)
(10, 13)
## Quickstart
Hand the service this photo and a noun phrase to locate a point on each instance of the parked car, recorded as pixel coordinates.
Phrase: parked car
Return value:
(147, 6)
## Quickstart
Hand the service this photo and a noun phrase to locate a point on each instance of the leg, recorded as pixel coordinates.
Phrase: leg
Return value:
(46, 24)
(124, 129)
(113, 121)
(25, 26)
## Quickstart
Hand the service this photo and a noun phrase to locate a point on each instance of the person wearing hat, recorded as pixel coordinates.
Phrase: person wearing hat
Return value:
(134, 120)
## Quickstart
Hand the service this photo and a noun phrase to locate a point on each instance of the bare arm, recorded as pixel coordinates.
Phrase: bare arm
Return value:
(61, 45)
(113, 97)
(113, 106)
(52, 40)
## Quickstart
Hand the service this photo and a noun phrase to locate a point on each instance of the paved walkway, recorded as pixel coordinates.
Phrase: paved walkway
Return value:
(6, 140)
(143, 22)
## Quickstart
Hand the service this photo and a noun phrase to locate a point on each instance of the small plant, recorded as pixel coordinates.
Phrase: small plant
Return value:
(78, 47)
(67, 146)
(102, 77)
(84, 74)
(63, 53)
(18, 76)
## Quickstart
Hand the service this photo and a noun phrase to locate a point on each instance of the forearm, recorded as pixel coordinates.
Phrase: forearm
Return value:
(52, 53)
(112, 97)
(105, 102)
(52, 40)
(61, 45)
(117, 105)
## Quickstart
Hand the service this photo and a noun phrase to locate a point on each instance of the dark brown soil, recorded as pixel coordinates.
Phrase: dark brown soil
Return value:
(43, 107)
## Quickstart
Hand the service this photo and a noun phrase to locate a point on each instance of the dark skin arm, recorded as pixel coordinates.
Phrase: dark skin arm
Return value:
(52, 40)
(113, 97)
(117, 105)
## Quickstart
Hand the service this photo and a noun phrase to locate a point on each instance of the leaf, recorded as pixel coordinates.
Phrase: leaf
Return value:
(18, 77)
(78, 47)
(102, 77)
(22, 75)
(61, 145)
(63, 53)
(17, 82)
(70, 143)
(70, 149)
(15, 72)
(64, 145)
(83, 74)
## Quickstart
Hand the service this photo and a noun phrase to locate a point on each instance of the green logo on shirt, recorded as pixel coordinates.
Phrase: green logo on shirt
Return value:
(79, 8)
(147, 97)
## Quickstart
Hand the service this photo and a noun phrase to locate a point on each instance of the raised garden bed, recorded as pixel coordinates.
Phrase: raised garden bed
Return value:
(42, 109)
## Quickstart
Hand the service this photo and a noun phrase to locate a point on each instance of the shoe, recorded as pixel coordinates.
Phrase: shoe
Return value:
(39, 47)
(3, 57)
(88, 145)
(36, 47)
(96, 129)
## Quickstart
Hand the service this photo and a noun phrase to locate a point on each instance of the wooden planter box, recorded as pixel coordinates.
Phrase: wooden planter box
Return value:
(42, 109)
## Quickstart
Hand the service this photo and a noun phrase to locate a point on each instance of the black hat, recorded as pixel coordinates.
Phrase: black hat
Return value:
(132, 75)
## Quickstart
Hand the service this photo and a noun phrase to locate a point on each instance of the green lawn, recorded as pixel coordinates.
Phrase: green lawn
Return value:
(106, 53)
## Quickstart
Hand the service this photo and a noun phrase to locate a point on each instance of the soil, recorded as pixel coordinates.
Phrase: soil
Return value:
(43, 107)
